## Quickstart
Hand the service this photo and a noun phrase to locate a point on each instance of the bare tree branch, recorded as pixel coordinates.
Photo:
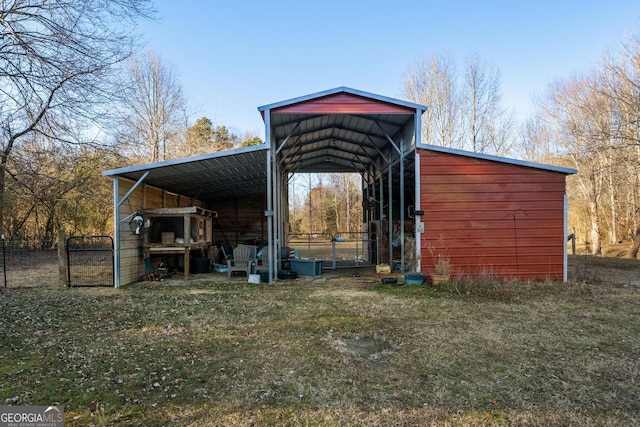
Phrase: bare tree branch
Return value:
(57, 60)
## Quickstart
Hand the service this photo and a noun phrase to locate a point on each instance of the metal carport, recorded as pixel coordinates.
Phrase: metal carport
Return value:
(210, 178)
(345, 130)
(338, 130)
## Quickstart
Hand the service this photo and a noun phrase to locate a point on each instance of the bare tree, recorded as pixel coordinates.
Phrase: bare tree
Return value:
(592, 121)
(56, 60)
(480, 98)
(432, 82)
(534, 142)
(582, 119)
(51, 186)
(621, 85)
(347, 201)
(486, 127)
(154, 115)
(462, 113)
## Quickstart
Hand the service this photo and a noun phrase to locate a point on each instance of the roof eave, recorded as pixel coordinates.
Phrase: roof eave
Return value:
(483, 156)
(341, 89)
(182, 160)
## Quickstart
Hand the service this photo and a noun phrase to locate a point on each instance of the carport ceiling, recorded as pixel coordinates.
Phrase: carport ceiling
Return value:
(210, 177)
(339, 130)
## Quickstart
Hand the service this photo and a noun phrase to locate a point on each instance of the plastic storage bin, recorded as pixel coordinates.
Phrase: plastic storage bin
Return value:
(307, 267)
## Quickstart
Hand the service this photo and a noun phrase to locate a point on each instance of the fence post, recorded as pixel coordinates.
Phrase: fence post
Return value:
(62, 259)
(333, 251)
(4, 261)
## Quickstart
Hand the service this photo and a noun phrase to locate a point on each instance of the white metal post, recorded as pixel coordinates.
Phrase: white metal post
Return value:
(418, 218)
(417, 123)
(390, 214)
(565, 260)
(270, 212)
(116, 233)
(402, 206)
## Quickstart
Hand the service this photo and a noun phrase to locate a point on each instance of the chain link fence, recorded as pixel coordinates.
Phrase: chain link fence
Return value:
(338, 250)
(29, 263)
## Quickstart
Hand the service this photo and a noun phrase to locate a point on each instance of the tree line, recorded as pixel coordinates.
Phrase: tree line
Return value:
(78, 95)
(325, 203)
(589, 122)
(592, 121)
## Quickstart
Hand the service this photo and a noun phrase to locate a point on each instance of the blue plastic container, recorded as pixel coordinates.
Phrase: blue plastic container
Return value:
(414, 279)
(307, 267)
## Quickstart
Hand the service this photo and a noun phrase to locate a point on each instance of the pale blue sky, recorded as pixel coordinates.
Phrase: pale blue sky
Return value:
(234, 56)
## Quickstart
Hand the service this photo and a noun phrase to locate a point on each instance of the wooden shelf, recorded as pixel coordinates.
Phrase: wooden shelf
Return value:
(193, 225)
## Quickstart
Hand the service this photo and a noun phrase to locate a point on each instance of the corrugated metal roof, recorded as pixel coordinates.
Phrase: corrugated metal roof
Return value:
(209, 177)
(306, 141)
(500, 159)
(338, 130)
(333, 142)
(340, 90)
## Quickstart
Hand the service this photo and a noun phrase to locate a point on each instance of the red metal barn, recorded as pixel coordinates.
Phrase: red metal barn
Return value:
(484, 215)
(492, 216)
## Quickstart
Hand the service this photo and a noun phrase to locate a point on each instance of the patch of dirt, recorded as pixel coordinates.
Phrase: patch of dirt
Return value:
(202, 291)
(368, 348)
(347, 293)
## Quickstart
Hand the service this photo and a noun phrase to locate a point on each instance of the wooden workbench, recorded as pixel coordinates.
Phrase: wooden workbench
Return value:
(191, 224)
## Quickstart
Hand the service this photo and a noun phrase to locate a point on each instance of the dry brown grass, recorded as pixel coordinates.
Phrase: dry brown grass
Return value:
(342, 349)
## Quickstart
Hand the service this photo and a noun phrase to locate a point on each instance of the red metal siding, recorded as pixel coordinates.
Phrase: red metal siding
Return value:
(491, 217)
(343, 103)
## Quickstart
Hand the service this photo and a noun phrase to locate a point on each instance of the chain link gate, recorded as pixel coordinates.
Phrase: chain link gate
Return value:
(90, 261)
(338, 250)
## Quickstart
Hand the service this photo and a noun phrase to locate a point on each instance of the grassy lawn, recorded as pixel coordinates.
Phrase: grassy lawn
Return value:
(324, 353)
